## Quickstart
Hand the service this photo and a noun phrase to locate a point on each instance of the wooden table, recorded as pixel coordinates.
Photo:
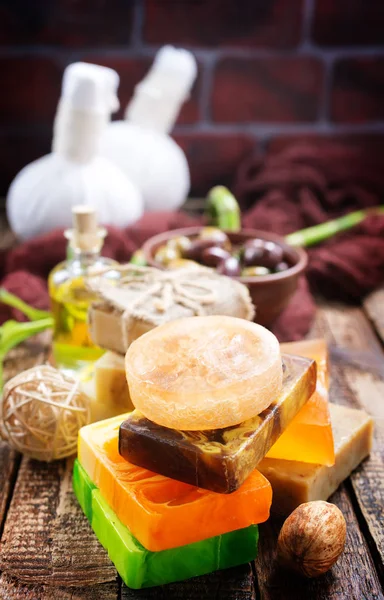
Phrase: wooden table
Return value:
(48, 550)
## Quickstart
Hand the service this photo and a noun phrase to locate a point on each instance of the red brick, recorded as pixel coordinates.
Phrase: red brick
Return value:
(17, 150)
(30, 89)
(348, 22)
(69, 23)
(214, 158)
(251, 23)
(358, 90)
(370, 141)
(131, 71)
(267, 90)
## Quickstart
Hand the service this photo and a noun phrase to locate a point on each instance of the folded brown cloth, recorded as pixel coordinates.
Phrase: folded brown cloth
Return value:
(304, 184)
(310, 183)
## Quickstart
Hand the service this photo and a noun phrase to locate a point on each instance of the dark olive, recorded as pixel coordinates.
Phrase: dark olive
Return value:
(217, 235)
(195, 251)
(274, 254)
(213, 256)
(262, 253)
(181, 243)
(165, 254)
(229, 266)
(282, 266)
(255, 271)
(254, 243)
(252, 255)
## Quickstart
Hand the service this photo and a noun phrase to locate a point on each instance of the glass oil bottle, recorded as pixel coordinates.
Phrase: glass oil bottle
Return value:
(73, 348)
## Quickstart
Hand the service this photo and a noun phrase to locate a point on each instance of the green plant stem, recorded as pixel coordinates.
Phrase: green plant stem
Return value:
(222, 209)
(33, 314)
(13, 333)
(318, 233)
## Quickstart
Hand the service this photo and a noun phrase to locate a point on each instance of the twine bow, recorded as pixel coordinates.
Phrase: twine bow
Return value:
(168, 288)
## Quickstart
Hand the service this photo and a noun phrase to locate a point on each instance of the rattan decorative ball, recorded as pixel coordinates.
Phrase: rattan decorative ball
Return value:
(41, 413)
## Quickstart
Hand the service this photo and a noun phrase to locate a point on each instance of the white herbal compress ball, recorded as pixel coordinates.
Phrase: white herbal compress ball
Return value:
(42, 195)
(140, 145)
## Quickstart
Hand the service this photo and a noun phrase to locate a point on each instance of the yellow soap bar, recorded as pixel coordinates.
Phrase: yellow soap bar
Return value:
(111, 382)
(296, 482)
(308, 438)
(106, 385)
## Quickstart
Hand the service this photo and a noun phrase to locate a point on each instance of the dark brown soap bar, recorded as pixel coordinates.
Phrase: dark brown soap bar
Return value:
(219, 460)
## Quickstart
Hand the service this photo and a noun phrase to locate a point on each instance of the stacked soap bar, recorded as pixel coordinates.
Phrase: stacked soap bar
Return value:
(105, 384)
(221, 459)
(163, 513)
(139, 567)
(295, 482)
(309, 436)
(144, 298)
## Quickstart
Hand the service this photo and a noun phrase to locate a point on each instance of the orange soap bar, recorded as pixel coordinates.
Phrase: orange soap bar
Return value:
(309, 437)
(160, 512)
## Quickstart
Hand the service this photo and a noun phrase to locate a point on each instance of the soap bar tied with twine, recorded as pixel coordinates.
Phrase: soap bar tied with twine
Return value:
(168, 288)
(41, 413)
(145, 297)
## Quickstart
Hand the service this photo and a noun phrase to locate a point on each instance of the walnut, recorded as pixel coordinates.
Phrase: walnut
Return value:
(312, 538)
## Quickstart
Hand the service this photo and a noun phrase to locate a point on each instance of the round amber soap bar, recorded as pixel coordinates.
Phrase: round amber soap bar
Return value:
(204, 372)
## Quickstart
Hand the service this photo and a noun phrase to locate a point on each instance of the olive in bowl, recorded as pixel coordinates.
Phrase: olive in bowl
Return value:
(271, 273)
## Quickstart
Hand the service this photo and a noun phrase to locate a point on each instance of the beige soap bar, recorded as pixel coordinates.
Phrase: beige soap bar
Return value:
(106, 386)
(144, 298)
(295, 482)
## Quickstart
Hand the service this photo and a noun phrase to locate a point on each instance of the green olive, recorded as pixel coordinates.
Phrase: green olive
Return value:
(216, 235)
(165, 255)
(182, 263)
(181, 244)
(255, 271)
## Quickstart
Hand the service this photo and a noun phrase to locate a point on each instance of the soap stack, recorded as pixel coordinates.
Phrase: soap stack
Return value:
(177, 487)
(223, 371)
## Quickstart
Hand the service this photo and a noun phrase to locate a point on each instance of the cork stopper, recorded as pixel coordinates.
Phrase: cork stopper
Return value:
(84, 219)
(85, 235)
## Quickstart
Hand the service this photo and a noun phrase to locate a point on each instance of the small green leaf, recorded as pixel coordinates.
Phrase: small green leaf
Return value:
(33, 314)
(13, 333)
(138, 258)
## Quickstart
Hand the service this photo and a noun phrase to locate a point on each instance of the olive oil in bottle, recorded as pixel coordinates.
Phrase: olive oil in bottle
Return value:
(72, 346)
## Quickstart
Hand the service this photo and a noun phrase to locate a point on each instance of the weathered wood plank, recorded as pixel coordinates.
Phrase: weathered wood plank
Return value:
(374, 307)
(46, 537)
(11, 589)
(353, 576)
(348, 329)
(8, 469)
(231, 584)
(23, 357)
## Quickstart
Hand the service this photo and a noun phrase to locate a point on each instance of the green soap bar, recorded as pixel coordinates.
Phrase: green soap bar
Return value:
(139, 567)
(83, 486)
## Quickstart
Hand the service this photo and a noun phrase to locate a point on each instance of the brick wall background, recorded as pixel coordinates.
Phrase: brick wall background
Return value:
(269, 71)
